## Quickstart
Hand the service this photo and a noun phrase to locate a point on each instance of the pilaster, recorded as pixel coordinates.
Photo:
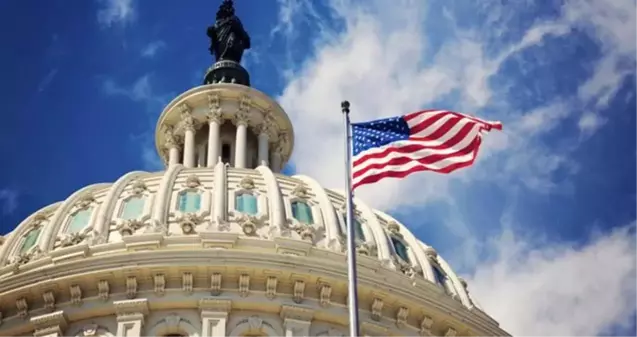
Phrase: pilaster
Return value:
(49, 325)
(214, 316)
(296, 320)
(130, 317)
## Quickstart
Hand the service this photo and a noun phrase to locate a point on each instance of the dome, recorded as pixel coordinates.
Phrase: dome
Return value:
(271, 222)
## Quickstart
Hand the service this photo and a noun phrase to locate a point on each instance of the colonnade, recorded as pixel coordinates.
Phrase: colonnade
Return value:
(207, 154)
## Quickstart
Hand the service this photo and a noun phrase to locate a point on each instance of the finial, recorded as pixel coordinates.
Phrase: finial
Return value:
(345, 107)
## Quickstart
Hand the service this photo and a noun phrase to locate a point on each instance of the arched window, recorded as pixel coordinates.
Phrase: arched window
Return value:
(440, 276)
(246, 203)
(400, 248)
(302, 212)
(79, 220)
(30, 240)
(133, 207)
(358, 227)
(189, 202)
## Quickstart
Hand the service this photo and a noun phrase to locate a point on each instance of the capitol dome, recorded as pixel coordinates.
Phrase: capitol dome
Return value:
(221, 243)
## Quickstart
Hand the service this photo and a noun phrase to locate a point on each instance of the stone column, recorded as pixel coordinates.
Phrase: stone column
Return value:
(49, 325)
(172, 145)
(188, 124)
(215, 120)
(214, 316)
(130, 317)
(296, 320)
(240, 154)
(264, 143)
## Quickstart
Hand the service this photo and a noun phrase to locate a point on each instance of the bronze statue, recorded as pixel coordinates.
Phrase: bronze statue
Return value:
(228, 39)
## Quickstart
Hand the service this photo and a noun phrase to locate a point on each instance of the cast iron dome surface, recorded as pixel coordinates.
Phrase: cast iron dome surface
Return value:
(223, 246)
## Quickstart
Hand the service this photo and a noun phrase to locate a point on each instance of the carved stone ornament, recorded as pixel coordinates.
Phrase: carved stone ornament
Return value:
(89, 330)
(187, 120)
(186, 283)
(214, 109)
(301, 191)
(215, 284)
(425, 326)
(431, 253)
(171, 140)
(299, 291)
(21, 259)
(451, 332)
(76, 294)
(72, 239)
(131, 287)
(192, 181)
(189, 221)
(377, 309)
(270, 287)
(49, 301)
(401, 317)
(23, 307)
(159, 284)
(306, 232)
(247, 183)
(325, 295)
(244, 285)
(138, 187)
(103, 290)
(85, 201)
(255, 323)
(248, 226)
(172, 320)
(393, 227)
(241, 118)
(245, 103)
(129, 227)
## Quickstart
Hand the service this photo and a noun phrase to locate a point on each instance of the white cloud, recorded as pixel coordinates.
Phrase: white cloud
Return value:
(152, 48)
(115, 12)
(8, 200)
(559, 289)
(380, 63)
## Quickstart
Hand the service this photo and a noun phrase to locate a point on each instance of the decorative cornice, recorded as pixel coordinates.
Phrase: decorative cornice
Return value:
(296, 312)
(214, 304)
(54, 319)
(130, 307)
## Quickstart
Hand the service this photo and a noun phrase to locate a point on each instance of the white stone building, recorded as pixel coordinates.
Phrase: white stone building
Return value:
(222, 244)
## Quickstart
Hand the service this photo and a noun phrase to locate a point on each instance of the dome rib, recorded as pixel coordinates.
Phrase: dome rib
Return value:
(49, 234)
(106, 211)
(160, 209)
(275, 199)
(327, 209)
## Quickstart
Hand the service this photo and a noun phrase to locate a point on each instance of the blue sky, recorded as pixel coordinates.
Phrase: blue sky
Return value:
(542, 226)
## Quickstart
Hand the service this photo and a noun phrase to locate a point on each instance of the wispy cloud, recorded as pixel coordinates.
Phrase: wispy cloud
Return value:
(142, 91)
(115, 12)
(46, 81)
(8, 200)
(152, 48)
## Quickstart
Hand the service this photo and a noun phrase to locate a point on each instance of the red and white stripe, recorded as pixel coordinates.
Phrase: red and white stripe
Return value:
(440, 141)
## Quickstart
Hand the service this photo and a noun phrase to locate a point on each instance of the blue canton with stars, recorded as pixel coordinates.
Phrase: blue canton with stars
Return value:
(378, 133)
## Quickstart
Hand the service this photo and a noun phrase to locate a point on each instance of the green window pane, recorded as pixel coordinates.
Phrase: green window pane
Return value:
(189, 202)
(133, 208)
(302, 212)
(247, 203)
(400, 248)
(440, 276)
(79, 220)
(30, 240)
(358, 228)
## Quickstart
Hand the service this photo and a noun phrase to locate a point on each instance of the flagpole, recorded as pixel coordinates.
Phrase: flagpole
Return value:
(352, 297)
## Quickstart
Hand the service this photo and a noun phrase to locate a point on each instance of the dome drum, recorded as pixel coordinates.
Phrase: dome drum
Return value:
(234, 123)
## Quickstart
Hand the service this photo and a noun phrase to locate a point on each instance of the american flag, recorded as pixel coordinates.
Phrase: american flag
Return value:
(431, 140)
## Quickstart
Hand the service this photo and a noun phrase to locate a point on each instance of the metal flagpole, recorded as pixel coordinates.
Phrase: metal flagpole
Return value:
(352, 297)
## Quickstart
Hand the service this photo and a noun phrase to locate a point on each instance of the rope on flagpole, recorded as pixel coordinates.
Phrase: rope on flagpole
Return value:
(352, 297)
